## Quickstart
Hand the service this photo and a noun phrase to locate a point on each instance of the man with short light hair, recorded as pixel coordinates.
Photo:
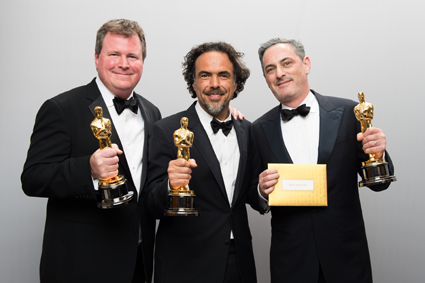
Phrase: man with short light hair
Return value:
(83, 243)
(314, 244)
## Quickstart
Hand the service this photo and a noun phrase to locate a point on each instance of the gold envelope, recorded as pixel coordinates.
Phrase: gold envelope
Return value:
(299, 185)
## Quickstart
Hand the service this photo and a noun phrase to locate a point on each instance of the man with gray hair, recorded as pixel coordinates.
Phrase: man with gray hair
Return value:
(314, 244)
(83, 243)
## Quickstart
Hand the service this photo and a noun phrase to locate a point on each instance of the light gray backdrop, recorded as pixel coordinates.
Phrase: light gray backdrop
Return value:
(47, 47)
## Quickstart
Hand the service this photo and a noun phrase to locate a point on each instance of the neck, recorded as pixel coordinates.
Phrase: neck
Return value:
(123, 96)
(222, 115)
(294, 103)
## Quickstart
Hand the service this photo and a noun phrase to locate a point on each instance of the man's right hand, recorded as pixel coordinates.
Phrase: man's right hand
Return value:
(267, 181)
(179, 171)
(104, 163)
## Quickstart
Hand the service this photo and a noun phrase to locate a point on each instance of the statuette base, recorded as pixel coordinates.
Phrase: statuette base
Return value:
(181, 203)
(114, 192)
(376, 173)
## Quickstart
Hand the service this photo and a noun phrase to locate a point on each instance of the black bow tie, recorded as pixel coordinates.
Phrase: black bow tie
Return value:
(225, 126)
(287, 114)
(121, 104)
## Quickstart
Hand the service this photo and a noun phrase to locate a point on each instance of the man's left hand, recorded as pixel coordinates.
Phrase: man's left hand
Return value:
(374, 141)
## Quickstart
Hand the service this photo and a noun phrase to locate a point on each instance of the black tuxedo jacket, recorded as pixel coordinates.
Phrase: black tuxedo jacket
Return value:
(195, 249)
(333, 237)
(83, 243)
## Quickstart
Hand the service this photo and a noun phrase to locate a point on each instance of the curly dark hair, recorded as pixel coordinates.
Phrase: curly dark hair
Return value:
(241, 72)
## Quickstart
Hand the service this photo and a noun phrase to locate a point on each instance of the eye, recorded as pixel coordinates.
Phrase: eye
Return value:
(268, 70)
(286, 63)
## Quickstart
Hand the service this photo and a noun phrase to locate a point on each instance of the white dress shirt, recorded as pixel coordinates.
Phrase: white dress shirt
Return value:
(130, 129)
(301, 134)
(226, 150)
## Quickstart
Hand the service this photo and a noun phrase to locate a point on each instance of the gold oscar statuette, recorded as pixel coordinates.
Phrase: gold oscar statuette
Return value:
(375, 171)
(113, 190)
(182, 199)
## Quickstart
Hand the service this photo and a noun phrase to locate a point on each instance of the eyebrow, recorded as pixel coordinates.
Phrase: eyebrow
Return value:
(280, 62)
(225, 73)
(219, 73)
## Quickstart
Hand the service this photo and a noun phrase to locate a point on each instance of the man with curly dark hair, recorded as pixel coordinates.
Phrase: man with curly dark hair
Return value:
(216, 246)
(241, 72)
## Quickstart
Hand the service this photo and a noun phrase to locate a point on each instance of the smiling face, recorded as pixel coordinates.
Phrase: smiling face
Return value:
(286, 74)
(214, 83)
(120, 63)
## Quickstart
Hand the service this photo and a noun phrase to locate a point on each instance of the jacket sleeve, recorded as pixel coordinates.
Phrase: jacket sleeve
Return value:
(255, 164)
(49, 170)
(161, 151)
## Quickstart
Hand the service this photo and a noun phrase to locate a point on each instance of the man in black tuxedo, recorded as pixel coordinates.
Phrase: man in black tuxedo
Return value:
(314, 244)
(215, 246)
(83, 243)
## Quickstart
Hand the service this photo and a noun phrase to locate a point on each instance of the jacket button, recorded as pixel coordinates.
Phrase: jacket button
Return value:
(135, 232)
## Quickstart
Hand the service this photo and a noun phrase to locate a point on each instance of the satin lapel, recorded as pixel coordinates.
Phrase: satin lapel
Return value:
(243, 149)
(273, 134)
(123, 166)
(330, 121)
(148, 121)
(203, 145)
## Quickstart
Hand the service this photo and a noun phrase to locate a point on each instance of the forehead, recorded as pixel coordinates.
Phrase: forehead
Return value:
(117, 41)
(213, 61)
(278, 52)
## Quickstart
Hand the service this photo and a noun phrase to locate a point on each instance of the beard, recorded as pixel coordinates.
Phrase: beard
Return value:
(215, 108)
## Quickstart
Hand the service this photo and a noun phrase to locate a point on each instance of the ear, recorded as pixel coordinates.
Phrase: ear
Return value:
(96, 60)
(307, 64)
(194, 89)
(234, 95)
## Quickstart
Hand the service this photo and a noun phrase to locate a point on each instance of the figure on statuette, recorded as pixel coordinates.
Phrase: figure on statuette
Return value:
(364, 114)
(183, 139)
(101, 128)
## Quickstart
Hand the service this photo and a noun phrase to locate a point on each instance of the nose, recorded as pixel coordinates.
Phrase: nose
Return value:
(214, 82)
(280, 72)
(123, 62)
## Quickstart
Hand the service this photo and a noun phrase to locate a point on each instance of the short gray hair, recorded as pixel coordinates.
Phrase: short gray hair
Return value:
(297, 46)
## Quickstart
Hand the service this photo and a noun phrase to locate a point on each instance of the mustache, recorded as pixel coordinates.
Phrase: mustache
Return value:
(214, 91)
(282, 80)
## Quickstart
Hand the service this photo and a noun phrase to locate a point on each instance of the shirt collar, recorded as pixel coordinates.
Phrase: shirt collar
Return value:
(206, 119)
(310, 101)
(107, 95)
